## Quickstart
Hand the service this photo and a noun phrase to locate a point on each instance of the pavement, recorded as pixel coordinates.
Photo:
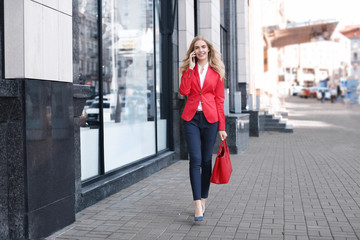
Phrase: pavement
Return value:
(296, 186)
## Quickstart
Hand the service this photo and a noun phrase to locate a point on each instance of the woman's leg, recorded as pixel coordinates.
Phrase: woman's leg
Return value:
(192, 136)
(208, 137)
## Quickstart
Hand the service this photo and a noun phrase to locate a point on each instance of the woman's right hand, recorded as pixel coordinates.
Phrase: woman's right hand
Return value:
(192, 60)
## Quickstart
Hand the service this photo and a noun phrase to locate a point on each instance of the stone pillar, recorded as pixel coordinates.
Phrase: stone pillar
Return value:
(209, 24)
(80, 94)
(186, 34)
(237, 128)
(37, 128)
(186, 26)
(243, 50)
(12, 177)
(232, 69)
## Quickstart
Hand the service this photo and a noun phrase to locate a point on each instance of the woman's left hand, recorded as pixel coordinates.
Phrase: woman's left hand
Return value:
(222, 135)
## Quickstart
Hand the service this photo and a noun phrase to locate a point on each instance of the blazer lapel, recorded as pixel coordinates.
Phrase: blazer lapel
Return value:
(197, 76)
(206, 75)
(209, 73)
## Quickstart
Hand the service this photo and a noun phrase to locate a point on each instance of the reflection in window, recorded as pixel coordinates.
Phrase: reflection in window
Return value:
(88, 75)
(131, 99)
(128, 68)
(161, 115)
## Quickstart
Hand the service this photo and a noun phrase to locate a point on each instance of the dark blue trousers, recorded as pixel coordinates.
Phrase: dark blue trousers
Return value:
(200, 137)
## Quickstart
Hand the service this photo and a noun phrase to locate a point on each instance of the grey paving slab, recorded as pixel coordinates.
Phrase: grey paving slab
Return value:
(297, 186)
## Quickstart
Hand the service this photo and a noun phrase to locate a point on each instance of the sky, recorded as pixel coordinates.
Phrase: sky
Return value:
(345, 11)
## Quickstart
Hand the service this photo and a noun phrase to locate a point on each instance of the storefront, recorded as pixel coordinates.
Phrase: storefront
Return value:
(87, 105)
(90, 103)
(126, 121)
(123, 121)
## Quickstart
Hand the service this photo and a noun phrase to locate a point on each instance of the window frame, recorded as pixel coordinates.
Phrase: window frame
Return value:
(101, 154)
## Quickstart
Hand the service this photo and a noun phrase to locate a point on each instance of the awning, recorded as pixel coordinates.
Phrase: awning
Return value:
(299, 34)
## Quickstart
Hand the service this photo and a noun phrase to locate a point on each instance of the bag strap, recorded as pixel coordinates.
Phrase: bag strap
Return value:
(221, 146)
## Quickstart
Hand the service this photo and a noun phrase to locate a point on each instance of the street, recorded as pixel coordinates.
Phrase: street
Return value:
(296, 186)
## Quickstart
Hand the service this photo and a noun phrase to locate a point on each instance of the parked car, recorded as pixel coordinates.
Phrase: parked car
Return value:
(88, 104)
(327, 93)
(93, 113)
(295, 90)
(304, 93)
(313, 92)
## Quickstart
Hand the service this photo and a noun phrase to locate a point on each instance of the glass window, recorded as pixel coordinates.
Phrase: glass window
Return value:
(161, 114)
(133, 105)
(89, 131)
(128, 72)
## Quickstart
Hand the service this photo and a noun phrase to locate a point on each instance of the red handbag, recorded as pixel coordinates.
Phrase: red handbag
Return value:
(222, 168)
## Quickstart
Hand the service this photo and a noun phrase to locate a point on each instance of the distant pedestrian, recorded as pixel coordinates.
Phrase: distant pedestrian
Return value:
(202, 81)
(333, 95)
(323, 95)
(338, 93)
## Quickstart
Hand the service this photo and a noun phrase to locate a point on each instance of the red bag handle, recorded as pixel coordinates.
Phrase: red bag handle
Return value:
(221, 148)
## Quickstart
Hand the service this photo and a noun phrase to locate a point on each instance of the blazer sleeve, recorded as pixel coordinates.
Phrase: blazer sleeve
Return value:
(219, 100)
(186, 79)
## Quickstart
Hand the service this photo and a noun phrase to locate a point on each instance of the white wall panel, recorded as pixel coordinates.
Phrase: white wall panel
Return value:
(182, 15)
(186, 26)
(51, 3)
(38, 39)
(65, 6)
(14, 38)
(65, 48)
(51, 43)
(209, 24)
(205, 15)
(34, 40)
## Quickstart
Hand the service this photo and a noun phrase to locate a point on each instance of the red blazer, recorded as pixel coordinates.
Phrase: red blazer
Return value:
(211, 95)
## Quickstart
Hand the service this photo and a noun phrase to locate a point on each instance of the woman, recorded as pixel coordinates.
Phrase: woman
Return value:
(202, 81)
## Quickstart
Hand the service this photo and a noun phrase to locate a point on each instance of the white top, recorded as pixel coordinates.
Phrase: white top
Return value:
(202, 79)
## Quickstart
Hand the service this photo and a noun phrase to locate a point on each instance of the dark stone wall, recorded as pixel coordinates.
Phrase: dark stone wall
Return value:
(79, 99)
(12, 200)
(237, 129)
(76, 49)
(1, 37)
(36, 158)
(255, 125)
(80, 94)
(241, 87)
(180, 146)
(49, 156)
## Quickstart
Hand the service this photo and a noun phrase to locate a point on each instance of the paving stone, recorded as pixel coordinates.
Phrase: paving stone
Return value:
(298, 186)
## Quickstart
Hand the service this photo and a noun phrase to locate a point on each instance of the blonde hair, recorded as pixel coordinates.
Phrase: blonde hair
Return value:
(215, 61)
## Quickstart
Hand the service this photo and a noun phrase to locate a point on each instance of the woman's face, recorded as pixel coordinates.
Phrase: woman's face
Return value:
(201, 50)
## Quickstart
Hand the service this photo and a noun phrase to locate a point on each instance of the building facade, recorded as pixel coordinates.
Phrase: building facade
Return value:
(85, 107)
(318, 63)
(353, 33)
(89, 98)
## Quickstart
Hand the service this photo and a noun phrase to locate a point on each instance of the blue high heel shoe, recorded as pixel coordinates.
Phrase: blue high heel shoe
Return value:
(204, 210)
(200, 218)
